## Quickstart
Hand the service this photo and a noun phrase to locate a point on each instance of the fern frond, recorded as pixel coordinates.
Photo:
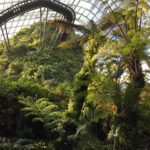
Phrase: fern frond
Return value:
(33, 113)
(53, 116)
(25, 102)
(53, 125)
(42, 110)
(49, 108)
(27, 109)
(37, 119)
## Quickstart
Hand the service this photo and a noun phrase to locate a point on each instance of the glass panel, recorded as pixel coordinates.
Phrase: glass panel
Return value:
(82, 8)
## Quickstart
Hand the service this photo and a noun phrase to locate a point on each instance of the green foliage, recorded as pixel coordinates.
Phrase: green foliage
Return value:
(25, 61)
(50, 67)
(103, 88)
(4, 62)
(42, 110)
(108, 105)
(15, 68)
(79, 92)
(86, 141)
(10, 91)
(27, 71)
(31, 36)
(18, 51)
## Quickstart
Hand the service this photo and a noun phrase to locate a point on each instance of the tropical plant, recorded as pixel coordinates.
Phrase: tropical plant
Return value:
(42, 110)
(125, 34)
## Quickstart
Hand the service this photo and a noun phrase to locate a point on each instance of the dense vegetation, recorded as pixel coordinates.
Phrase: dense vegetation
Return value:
(90, 92)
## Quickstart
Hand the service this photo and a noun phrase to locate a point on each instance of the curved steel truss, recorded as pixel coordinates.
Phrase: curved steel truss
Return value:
(85, 11)
(28, 5)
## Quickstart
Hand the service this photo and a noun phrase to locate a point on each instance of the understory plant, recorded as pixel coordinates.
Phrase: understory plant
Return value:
(107, 106)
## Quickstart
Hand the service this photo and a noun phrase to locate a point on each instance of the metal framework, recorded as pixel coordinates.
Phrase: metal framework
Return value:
(85, 11)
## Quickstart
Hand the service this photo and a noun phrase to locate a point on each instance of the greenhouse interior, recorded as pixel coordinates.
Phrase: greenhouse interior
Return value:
(74, 74)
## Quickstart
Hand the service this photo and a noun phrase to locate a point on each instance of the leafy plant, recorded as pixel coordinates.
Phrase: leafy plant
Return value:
(42, 110)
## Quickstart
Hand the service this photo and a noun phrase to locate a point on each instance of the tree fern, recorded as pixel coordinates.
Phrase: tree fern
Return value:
(42, 110)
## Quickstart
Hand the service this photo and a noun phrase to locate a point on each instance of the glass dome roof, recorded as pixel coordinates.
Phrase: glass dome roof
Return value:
(85, 10)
